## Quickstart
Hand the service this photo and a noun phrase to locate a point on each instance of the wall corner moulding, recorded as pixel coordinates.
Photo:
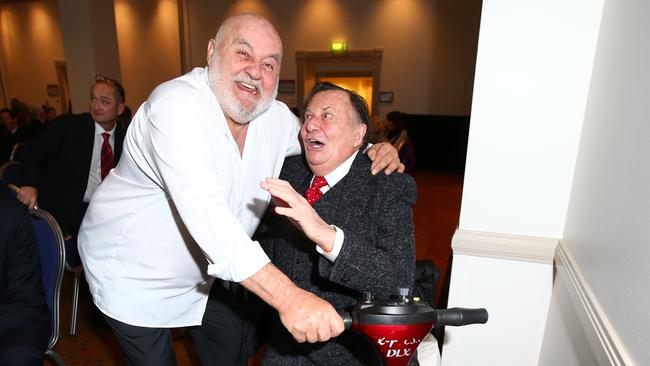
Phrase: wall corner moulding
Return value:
(606, 345)
(504, 246)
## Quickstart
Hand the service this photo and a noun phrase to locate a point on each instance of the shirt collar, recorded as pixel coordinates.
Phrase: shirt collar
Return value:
(99, 129)
(341, 171)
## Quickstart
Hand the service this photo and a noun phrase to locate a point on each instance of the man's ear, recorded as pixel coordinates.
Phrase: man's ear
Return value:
(211, 50)
(360, 134)
(120, 108)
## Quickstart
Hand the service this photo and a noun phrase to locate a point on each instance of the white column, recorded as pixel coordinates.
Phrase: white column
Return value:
(532, 80)
(90, 45)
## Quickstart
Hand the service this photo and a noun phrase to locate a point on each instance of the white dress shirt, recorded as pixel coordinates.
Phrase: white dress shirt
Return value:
(181, 181)
(332, 178)
(95, 174)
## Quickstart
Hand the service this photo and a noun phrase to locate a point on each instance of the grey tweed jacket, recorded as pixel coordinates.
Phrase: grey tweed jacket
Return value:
(378, 255)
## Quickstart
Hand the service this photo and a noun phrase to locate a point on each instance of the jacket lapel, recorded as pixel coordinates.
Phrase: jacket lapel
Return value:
(89, 136)
(333, 206)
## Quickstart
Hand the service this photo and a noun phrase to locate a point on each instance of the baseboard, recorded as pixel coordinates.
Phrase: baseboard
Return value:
(606, 345)
(504, 246)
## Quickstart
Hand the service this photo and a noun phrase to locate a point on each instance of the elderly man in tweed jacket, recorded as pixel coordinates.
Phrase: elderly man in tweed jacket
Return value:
(337, 230)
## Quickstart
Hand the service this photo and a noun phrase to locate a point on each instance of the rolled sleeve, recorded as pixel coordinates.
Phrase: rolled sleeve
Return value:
(244, 263)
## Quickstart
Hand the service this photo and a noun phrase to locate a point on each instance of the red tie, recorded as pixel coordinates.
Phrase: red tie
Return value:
(107, 162)
(313, 193)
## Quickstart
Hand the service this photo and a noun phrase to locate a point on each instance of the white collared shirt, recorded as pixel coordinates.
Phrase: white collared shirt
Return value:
(332, 178)
(181, 181)
(95, 173)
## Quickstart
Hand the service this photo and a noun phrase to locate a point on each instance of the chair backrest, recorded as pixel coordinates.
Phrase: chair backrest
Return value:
(12, 172)
(52, 251)
(15, 151)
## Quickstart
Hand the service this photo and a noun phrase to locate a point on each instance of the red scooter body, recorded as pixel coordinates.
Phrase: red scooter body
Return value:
(396, 327)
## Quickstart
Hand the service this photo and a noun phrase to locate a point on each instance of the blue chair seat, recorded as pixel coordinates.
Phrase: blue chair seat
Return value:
(52, 252)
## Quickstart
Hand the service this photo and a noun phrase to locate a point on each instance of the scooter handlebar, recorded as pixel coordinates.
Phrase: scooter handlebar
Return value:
(460, 316)
(347, 319)
(442, 317)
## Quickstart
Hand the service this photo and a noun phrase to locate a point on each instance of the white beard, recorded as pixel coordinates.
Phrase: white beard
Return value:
(228, 101)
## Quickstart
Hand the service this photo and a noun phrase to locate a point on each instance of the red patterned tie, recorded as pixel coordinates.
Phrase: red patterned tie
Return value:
(107, 162)
(313, 193)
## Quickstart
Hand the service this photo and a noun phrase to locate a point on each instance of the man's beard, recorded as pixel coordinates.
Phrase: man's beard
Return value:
(229, 103)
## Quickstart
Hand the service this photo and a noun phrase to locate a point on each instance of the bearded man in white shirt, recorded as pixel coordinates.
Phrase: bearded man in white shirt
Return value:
(187, 190)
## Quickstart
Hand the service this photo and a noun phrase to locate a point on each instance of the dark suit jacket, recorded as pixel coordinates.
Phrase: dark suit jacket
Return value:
(22, 299)
(57, 162)
(378, 253)
(7, 142)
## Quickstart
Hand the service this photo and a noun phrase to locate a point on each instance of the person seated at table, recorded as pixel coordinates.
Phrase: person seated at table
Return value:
(350, 232)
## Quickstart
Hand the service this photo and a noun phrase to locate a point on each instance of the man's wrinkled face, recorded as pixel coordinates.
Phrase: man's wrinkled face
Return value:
(331, 132)
(104, 107)
(245, 68)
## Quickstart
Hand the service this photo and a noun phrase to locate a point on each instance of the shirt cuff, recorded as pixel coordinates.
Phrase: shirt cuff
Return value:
(245, 262)
(336, 249)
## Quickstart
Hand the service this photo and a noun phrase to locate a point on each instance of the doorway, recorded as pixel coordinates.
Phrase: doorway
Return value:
(358, 70)
(359, 83)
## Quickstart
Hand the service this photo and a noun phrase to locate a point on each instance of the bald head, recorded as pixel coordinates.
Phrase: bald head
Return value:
(234, 23)
(244, 66)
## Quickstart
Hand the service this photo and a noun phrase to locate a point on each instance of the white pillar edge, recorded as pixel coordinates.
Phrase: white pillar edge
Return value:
(605, 342)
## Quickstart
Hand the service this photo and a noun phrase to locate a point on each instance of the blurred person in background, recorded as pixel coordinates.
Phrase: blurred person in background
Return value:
(397, 135)
(65, 164)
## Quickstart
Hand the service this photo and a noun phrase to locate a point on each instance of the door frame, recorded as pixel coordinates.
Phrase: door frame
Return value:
(354, 62)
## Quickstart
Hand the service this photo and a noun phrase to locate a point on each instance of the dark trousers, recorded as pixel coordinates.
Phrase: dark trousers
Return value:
(217, 340)
(144, 346)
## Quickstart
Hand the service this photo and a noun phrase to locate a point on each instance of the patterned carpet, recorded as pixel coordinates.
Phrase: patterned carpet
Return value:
(436, 217)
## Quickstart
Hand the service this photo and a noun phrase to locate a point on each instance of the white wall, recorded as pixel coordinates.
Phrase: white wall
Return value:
(501, 341)
(529, 99)
(565, 341)
(429, 46)
(608, 221)
(90, 45)
(31, 42)
(532, 79)
(149, 42)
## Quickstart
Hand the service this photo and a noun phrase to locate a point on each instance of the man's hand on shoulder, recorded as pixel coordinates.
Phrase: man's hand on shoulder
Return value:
(28, 195)
(384, 156)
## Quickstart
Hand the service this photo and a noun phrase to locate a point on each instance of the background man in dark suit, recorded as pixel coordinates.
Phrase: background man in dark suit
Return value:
(354, 233)
(65, 164)
(24, 315)
(8, 127)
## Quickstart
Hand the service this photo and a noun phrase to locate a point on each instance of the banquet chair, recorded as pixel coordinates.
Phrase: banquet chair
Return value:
(77, 270)
(8, 190)
(52, 253)
(15, 151)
